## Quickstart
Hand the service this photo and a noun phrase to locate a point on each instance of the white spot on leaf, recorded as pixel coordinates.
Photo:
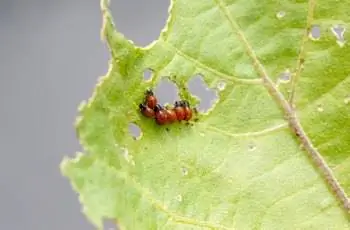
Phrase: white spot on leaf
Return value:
(221, 85)
(341, 44)
(128, 157)
(179, 198)
(184, 171)
(281, 14)
(320, 108)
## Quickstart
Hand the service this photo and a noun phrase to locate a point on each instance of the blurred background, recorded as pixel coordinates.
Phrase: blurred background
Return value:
(50, 59)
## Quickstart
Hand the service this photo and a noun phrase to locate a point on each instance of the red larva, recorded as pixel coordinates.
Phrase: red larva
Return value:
(161, 115)
(150, 100)
(188, 110)
(146, 111)
(183, 111)
(179, 111)
(171, 115)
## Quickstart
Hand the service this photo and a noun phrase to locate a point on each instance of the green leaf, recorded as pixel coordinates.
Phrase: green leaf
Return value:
(241, 165)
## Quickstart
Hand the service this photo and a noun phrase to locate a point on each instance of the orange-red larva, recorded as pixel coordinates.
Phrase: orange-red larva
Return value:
(161, 116)
(150, 100)
(146, 111)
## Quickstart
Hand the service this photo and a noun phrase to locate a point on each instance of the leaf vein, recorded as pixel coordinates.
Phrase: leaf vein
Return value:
(248, 134)
(306, 188)
(173, 216)
(301, 58)
(210, 69)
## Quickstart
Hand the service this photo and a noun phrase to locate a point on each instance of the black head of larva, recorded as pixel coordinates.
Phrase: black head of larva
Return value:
(142, 106)
(177, 104)
(149, 92)
(158, 108)
(185, 103)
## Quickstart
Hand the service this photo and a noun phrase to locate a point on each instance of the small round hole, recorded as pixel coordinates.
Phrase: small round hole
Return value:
(315, 32)
(147, 74)
(285, 76)
(135, 131)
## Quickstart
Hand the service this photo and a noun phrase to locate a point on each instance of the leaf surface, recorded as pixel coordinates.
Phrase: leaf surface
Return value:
(240, 166)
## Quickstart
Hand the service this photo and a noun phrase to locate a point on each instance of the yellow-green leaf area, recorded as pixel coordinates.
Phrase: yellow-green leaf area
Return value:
(240, 166)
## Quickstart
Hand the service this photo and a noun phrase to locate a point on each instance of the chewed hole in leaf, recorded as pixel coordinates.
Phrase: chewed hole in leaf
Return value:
(315, 32)
(208, 97)
(109, 224)
(148, 24)
(285, 76)
(147, 74)
(338, 31)
(135, 131)
(166, 92)
(280, 14)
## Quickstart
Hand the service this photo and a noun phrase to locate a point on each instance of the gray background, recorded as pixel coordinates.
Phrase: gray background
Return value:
(50, 58)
